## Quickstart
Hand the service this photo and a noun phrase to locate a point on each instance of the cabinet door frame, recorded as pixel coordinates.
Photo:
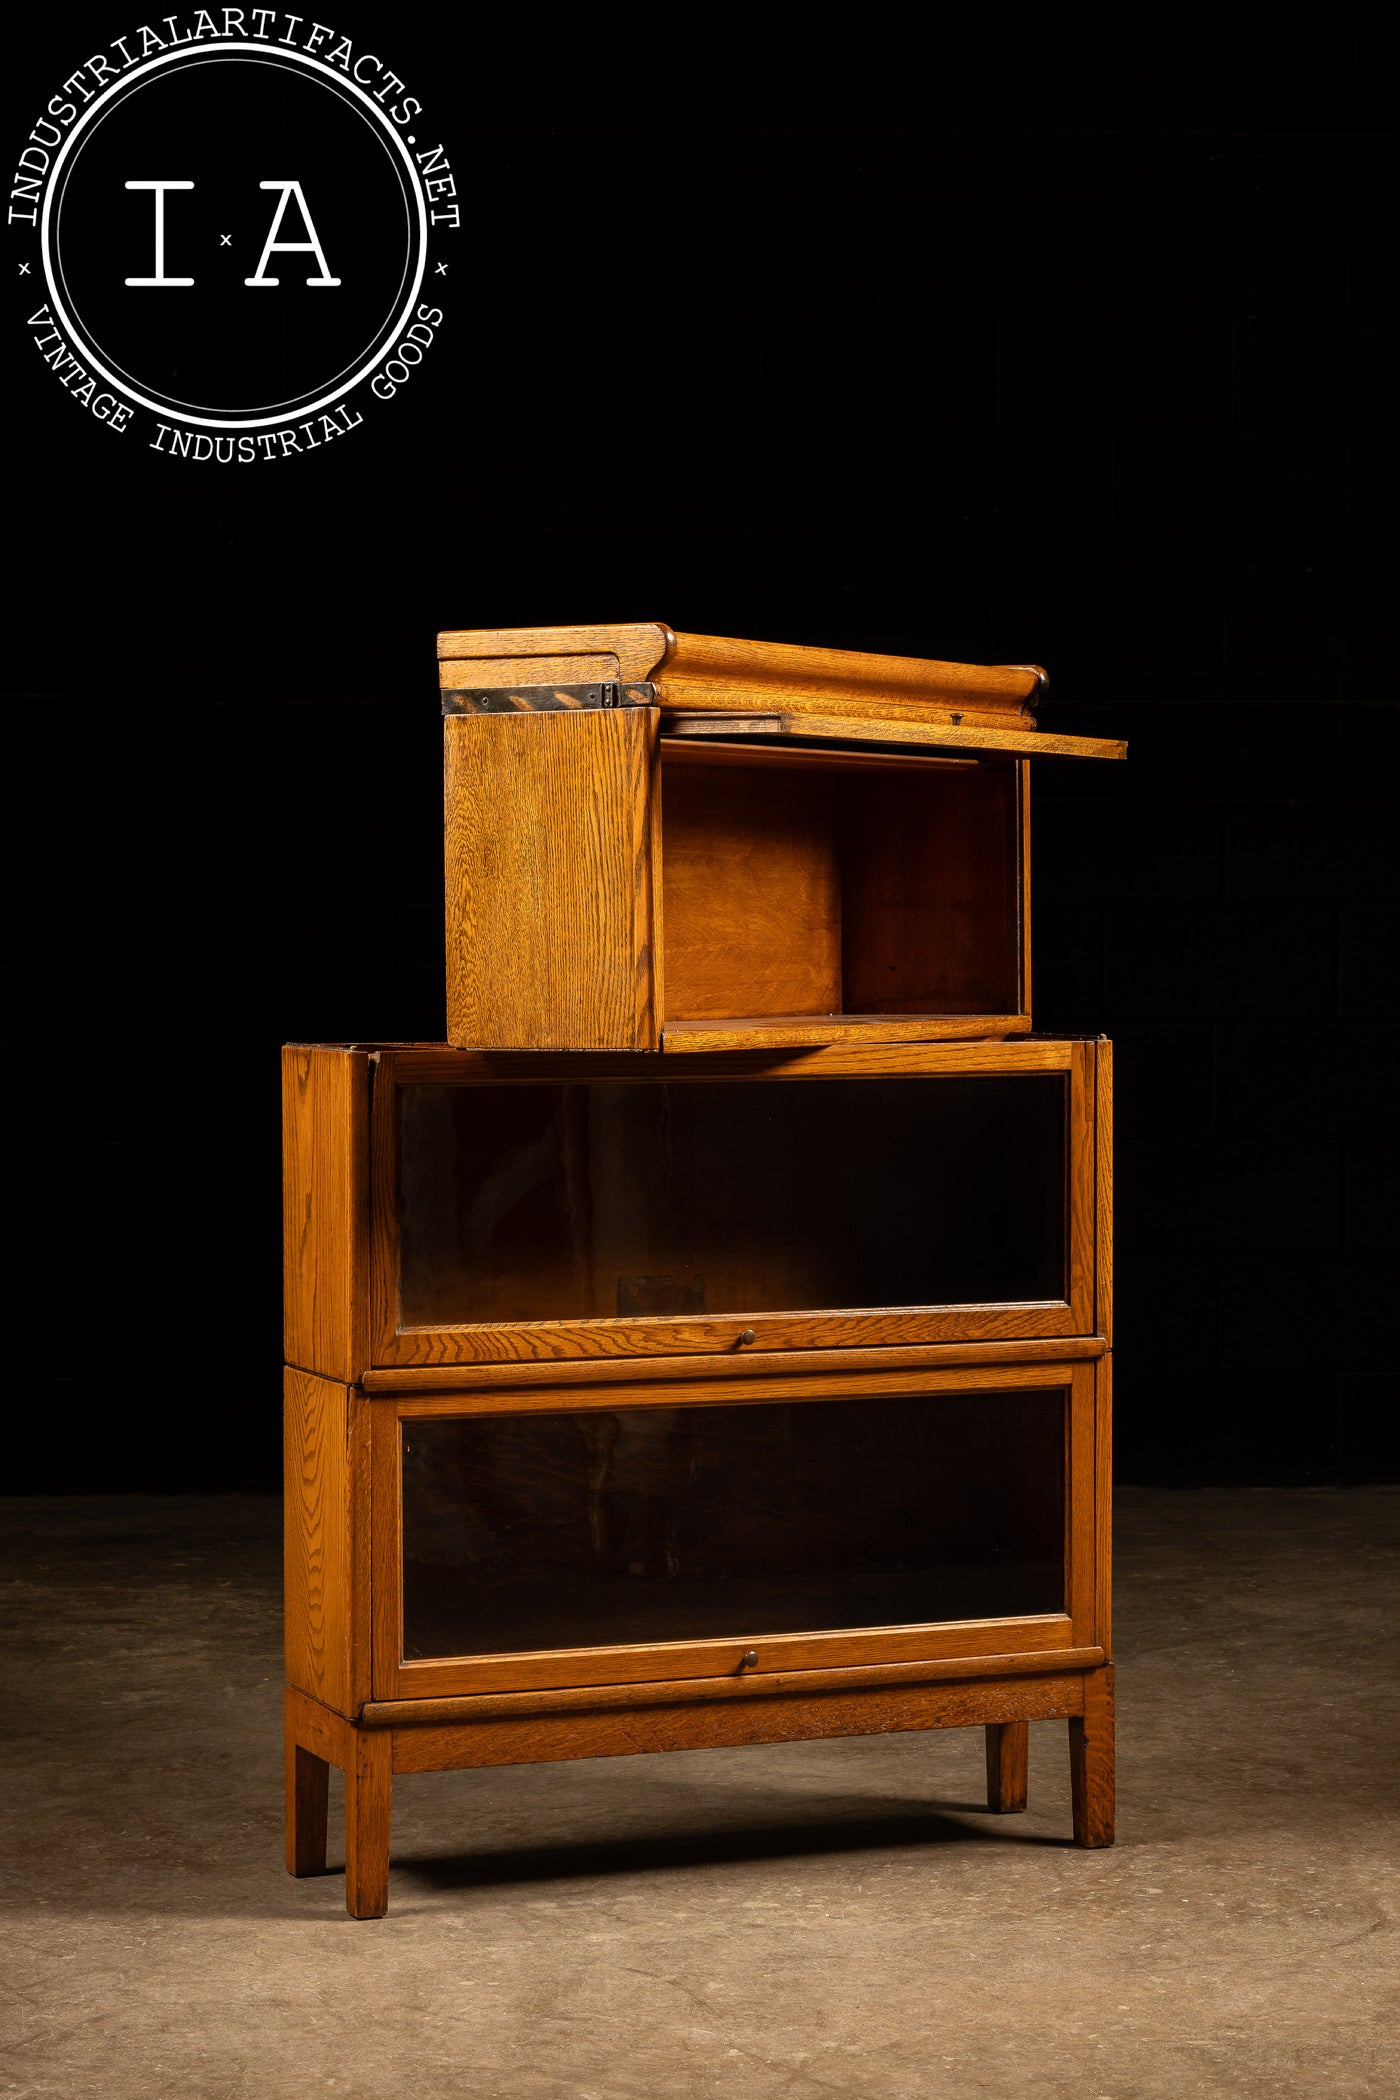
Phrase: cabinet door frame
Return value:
(394, 1344)
(1082, 1625)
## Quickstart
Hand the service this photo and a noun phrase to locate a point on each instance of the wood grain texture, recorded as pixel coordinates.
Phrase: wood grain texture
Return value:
(1008, 1766)
(752, 888)
(707, 670)
(1091, 1761)
(723, 1724)
(440, 1065)
(740, 1032)
(748, 752)
(323, 1528)
(325, 1215)
(962, 736)
(451, 1380)
(561, 1341)
(697, 667)
(456, 674)
(368, 1799)
(307, 1793)
(1047, 1662)
(930, 888)
(637, 646)
(678, 1661)
(327, 1735)
(550, 937)
(815, 1376)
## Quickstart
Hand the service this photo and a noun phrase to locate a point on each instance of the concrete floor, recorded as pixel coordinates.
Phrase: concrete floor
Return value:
(824, 1919)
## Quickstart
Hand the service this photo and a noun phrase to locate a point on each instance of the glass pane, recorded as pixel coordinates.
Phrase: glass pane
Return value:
(620, 1198)
(681, 1523)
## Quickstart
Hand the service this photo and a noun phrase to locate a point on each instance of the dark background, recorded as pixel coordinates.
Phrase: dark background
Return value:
(1082, 351)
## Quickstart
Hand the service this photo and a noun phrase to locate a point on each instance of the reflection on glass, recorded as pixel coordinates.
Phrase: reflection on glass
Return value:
(679, 1523)
(628, 1198)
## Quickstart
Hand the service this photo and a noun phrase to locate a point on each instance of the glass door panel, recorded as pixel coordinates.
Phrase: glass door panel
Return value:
(597, 1527)
(614, 1199)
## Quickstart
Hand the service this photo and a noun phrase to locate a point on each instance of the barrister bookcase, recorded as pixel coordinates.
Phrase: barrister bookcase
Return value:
(744, 1383)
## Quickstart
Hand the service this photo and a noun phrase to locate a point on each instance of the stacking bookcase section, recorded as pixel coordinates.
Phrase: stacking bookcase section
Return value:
(754, 1392)
(529, 1540)
(452, 1208)
(686, 843)
(513, 1569)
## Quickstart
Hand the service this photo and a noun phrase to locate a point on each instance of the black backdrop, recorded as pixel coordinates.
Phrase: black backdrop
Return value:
(1083, 352)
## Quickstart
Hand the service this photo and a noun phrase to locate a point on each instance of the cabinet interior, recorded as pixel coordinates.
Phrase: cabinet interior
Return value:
(802, 881)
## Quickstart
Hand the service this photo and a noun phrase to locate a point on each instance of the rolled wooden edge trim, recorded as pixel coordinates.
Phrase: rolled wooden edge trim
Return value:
(662, 1370)
(691, 1691)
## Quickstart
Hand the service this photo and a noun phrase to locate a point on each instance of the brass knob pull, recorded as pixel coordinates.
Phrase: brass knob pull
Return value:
(746, 1336)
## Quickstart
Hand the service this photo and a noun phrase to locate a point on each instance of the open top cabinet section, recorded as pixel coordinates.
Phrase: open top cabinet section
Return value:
(677, 842)
(610, 888)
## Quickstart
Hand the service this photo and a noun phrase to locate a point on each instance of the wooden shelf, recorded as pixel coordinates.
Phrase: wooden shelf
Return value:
(777, 1031)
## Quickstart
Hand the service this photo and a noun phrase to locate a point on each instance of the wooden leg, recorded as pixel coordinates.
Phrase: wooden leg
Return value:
(1008, 1755)
(1091, 1761)
(307, 1782)
(368, 1787)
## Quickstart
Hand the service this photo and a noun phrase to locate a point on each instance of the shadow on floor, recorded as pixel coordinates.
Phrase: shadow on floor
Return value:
(719, 1847)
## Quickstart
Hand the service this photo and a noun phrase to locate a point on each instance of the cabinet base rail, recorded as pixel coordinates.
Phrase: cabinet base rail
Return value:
(547, 1730)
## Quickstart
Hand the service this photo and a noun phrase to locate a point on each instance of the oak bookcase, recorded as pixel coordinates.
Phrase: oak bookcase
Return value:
(711, 1344)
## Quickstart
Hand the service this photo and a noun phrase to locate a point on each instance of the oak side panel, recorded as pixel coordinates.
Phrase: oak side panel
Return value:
(325, 1510)
(325, 1209)
(549, 880)
(729, 1723)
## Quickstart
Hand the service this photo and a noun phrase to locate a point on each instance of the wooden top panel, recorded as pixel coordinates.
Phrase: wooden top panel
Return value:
(704, 670)
(638, 645)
